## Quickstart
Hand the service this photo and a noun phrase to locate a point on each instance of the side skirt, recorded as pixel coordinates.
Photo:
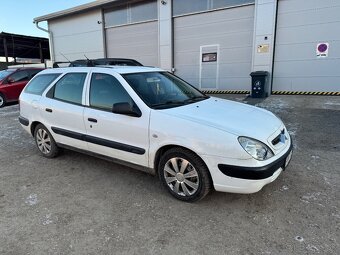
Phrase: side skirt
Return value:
(114, 160)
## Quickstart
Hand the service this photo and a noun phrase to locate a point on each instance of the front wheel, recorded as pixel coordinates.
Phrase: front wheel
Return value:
(184, 175)
(45, 142)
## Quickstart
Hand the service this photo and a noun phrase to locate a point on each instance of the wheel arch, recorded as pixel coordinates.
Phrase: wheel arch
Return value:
(165, 148)
(33, 126)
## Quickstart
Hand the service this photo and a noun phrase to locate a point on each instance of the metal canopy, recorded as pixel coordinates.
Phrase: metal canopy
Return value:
(22, 46)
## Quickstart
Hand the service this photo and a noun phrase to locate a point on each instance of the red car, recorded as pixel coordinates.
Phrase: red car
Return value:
(13, 81)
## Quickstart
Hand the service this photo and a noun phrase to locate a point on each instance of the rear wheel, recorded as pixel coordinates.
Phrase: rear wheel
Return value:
(2, 100)
(45, 142)
(184, 175)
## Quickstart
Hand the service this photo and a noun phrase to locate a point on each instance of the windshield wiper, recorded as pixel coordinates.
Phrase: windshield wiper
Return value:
(196, 99)
(179, 103)
(169, 103)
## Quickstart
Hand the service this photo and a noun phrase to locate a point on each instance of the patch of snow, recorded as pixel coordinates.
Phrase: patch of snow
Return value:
(311, 196)
(32, 199)
(47, 220)
(278, 105)
(332, 103)
(312, 248)
(336, 215)
(284, 188)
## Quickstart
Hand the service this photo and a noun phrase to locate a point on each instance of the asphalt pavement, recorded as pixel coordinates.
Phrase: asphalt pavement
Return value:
(77, 204)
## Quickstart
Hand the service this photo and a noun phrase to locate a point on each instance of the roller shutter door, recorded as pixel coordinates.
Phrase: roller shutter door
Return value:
(137, 41)
(229, 33)
(302, 25)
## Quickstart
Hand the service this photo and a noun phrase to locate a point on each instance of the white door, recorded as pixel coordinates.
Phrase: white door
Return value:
(118, 136)
(62, 110)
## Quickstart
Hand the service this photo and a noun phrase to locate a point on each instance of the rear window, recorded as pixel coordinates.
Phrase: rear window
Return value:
(40, 83)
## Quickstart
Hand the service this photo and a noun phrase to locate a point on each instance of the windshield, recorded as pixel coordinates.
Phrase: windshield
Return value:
(162, 90)
(5, 73)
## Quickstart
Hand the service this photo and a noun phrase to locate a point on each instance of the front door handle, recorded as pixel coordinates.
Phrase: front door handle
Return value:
(92, 120)
(48, 110)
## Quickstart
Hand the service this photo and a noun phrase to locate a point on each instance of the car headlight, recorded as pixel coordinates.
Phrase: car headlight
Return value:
(255, 148)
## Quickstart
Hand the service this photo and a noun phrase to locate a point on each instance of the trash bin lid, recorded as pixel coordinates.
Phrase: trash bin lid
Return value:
(259, 73)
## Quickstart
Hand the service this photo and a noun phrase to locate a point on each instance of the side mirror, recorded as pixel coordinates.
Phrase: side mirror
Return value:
(126, 109)
(9, 81)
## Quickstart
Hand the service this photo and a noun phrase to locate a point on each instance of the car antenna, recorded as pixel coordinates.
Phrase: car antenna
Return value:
(65, 57)
(89, 62)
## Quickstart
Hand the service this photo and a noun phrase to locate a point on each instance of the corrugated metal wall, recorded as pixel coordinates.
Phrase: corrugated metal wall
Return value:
(231, 29)
(301, 26)
(137, 41)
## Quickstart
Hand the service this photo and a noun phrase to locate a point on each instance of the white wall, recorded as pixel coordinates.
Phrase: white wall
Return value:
(77, 35)
(301, 26)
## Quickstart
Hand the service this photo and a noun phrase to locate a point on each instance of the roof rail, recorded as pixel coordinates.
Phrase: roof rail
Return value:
(98, 62)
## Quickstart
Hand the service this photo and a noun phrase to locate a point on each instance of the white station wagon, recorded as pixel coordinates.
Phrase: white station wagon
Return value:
(149, 119)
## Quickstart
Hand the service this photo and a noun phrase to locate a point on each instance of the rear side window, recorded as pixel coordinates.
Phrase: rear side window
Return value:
(70, 88)
(105, 91)
(38, 85)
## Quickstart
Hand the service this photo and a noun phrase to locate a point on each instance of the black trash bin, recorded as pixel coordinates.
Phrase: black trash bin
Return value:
(259, 84)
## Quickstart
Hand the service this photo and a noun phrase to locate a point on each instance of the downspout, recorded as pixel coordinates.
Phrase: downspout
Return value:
(50, 36)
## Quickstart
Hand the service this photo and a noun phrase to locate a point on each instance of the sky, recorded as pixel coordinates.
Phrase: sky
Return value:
(17, 16)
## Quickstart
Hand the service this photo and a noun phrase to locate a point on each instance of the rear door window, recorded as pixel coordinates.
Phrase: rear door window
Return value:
(38, 85)
(69, 88)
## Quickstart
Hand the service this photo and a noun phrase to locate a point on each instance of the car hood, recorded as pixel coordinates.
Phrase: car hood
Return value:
(236, 118)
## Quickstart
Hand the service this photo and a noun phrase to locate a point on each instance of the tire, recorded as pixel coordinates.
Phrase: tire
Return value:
(2, 100)
(45, 142)
(190, 183)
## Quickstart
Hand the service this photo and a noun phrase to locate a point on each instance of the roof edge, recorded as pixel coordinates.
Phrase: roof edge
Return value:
(73, 10)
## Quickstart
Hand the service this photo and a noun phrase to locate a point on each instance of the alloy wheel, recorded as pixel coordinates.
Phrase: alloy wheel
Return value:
(43, 141)
(181, 176)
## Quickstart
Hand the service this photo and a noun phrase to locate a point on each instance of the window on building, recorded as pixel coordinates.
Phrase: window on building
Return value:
(215, 4)
(189, 6)
(143, 11)
(116, 17)
(105, 91)
(40, 83)
(70, 88)
(181, 7)
(131, 13)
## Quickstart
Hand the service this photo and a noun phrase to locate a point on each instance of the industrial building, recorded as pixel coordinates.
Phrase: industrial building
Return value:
(213, 44)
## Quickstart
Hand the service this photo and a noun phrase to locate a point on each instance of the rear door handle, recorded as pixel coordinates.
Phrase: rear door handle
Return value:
(92, 120)
(48, 110)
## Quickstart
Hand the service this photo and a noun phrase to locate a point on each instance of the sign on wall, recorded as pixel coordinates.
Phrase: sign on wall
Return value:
(263, 48)
(322, 50)
(209, 57)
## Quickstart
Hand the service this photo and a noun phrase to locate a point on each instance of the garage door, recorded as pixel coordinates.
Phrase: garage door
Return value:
(213, 50)
(132, 31)
(303, 27)
(138, 41)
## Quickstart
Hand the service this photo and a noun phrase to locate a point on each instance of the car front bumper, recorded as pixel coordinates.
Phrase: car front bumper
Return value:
(235, 178)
